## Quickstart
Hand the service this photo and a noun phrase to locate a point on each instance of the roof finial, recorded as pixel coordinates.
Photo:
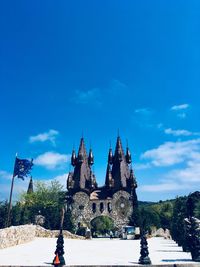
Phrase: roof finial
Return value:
(82, 134)
(110, 144)
(126, 142)
(118, 132)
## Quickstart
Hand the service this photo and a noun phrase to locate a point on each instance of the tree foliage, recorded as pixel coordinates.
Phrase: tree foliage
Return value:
(47, 200)
(3, 213)
(102, 225)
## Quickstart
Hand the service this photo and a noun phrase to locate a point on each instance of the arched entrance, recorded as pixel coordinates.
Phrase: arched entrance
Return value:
(102, 226)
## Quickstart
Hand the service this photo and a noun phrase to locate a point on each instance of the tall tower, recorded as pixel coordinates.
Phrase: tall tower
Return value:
(30, 186)
(82, 178)
(119, 175)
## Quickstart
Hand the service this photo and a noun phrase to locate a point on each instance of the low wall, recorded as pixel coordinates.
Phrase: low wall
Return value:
(42, 232)
(16, 235)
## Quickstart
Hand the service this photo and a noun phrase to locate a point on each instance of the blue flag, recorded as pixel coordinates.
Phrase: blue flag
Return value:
(22, 167)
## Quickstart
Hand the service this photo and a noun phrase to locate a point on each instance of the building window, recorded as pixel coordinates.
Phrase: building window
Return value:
(81, 207)
(94, 207)
(101, 207)
(109, 207)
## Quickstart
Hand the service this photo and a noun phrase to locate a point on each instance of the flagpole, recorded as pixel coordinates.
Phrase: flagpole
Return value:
(10, 199)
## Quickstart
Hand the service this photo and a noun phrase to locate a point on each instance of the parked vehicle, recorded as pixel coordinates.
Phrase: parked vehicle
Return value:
(130, 232)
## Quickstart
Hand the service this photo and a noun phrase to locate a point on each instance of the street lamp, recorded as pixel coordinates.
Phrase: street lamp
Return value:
(59, 258)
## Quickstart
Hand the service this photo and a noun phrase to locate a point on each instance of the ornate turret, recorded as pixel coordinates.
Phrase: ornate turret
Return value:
(73, 158)
(110, 156)
(82, 177)
(120, 170)
(133, 182)
(90, 158)
(30, 186)
(128, 156)
(118, 174)
(119, 153)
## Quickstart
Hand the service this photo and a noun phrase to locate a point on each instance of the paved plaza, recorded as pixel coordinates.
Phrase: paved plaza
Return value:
(94, 252)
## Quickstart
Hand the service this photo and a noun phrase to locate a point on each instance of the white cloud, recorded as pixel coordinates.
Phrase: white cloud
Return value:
(62, 179)
(180, 110)
(19, 187)
(85, 97)
(180, 107)
(98, 96)
(163, 187)
(186, 177)
(5, 175)
(142, 166)
(51, 136)
(171, 153)
(189, 174)
(143, 111)
(52, 160)
(180, 132)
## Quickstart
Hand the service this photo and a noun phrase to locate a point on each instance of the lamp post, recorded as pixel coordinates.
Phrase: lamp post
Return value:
(144, 252)
(59, 258)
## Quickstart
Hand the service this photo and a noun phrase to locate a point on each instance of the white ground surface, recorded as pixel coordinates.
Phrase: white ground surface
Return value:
(93, 252)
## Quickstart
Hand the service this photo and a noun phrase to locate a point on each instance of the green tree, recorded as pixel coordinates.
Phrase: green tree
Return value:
(3, 213)
(102, 225)
(46, 200)
(16, 214)
(166, 215)
(178, 226)
(149, 218)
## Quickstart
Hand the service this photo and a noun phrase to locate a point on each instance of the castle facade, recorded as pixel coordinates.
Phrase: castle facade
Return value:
(115, 199)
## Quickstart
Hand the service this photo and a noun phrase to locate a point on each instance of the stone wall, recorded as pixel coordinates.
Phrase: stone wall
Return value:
(120, 208)
(16, 235)
(42, 232)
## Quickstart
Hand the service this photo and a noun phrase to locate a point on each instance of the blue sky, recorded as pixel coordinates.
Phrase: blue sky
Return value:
(93, 67)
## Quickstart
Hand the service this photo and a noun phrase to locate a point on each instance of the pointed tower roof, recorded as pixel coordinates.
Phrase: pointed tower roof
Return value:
(120, 168)
(82, 177)
(30, 186)
(82, 154)
(90, 158)
(119, 153)
(73, 158)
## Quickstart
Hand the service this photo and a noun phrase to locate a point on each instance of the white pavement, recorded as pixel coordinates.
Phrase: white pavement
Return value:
(93, 252)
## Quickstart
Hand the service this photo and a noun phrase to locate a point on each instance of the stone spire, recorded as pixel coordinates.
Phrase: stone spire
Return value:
(110, 156)
(73, 158)
(30, 186)
(128, 155)
(82, 177)
(120, 169)
(90, 158)
(82, 154)
(109, 180)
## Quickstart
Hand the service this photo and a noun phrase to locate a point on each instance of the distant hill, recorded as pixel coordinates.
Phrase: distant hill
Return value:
(161, 213)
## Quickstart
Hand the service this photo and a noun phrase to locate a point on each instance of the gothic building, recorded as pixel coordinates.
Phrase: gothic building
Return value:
(116, 199)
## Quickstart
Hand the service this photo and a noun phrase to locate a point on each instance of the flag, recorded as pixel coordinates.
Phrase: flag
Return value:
(22, 167)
